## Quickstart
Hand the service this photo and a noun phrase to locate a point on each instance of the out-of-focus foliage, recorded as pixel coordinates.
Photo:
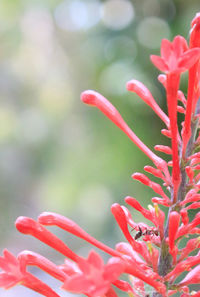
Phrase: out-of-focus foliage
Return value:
(55, 153)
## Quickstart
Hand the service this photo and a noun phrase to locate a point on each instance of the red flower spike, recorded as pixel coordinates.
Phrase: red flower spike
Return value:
(174, 221)
(152, 250)
(141, 90)
(53, 219)
(28, 226)
(27, 258)
(95, 278)
(96, 99)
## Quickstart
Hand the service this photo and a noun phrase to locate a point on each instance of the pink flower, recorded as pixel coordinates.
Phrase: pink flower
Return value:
(14, 273)
(175, 56)
(94, 278)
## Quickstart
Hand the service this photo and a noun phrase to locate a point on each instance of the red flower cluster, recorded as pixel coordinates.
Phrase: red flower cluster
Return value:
(153, 254)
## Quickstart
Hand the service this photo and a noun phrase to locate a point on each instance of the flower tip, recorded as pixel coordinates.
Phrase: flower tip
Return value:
(127, 198)
(24, 224)
(89, 97)
(46, 218)
(114, 206)
(130, 85)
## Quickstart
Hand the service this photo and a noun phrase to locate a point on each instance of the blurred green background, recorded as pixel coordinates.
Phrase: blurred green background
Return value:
(56, 153)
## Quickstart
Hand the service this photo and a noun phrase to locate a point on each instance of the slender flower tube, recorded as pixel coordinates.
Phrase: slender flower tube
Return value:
(141, 90)
(28, 226)
(96, 99)
(53, 219)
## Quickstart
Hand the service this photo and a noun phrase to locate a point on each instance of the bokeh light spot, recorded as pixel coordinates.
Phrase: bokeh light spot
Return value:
(151, 31)
(117, 14)
(77, 15)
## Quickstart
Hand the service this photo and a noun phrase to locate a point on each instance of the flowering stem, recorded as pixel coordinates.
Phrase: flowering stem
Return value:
(165, 259)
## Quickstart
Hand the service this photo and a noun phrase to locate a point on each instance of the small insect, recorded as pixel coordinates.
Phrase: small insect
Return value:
(138, 234)
(141, 233)
(151, 232)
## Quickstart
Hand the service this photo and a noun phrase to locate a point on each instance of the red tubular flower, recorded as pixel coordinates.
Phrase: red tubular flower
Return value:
(153, 171)
(96, 99)
(184, 216)
(174, 221)
(28, 226)
(142, 91)
(53, 219)
(183, 266)
(156, 187)
(186, 229)
(27, 258)
(191, 245)
(164, 149)
(135, 204)
(125, 286)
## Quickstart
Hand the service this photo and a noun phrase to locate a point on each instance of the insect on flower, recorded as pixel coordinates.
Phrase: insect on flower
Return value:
(158, 259)
(147, 231)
